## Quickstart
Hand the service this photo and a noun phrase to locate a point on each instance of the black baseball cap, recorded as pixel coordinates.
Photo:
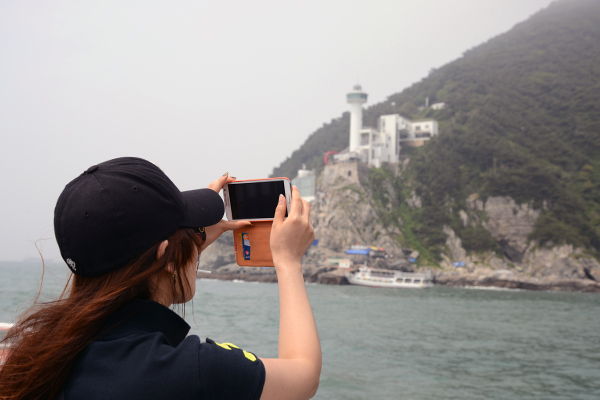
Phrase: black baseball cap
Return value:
(116, 210)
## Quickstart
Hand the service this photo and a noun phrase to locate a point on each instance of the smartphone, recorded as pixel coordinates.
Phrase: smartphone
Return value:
(256, 199)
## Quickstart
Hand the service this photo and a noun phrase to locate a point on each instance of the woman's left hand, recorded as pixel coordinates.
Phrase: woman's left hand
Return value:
(217, 185)
(213, 232)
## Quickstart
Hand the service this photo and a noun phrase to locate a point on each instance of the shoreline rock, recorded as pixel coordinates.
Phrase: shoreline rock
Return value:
(345, 213)
(563, 285)
(499, 279)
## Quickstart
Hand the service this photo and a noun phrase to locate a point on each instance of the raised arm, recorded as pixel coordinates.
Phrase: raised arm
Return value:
(295, 373)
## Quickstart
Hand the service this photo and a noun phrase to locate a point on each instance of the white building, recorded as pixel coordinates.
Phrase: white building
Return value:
(382, 144)
(306, 182)
(418, 132)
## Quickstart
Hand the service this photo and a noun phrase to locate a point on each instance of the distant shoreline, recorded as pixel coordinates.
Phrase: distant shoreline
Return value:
(457, 280)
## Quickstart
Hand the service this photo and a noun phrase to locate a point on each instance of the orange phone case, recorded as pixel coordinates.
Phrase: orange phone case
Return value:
(252, 245)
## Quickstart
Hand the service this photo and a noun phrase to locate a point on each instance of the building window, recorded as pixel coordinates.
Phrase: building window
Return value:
(349, 173)
(364, 139)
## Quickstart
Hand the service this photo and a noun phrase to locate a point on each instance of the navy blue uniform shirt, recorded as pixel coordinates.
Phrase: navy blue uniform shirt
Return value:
(143, 353)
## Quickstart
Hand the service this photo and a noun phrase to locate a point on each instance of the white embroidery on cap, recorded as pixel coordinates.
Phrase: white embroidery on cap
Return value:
(71, 263)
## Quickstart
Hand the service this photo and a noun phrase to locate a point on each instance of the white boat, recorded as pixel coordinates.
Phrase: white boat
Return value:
(366, 276)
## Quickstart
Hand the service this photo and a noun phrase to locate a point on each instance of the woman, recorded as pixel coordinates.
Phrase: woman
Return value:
(132, 241)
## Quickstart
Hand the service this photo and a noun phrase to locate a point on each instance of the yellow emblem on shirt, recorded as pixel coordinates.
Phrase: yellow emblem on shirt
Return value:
(228, 346)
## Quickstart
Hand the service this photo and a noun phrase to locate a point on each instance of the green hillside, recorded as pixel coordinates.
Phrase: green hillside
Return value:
(522, 120)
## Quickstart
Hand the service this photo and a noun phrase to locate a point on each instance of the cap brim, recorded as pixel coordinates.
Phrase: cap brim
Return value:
(204, 208)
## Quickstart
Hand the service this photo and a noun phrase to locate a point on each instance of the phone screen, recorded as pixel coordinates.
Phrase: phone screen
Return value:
(255, 200)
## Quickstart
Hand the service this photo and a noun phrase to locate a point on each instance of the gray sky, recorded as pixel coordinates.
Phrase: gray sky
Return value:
(199, 87)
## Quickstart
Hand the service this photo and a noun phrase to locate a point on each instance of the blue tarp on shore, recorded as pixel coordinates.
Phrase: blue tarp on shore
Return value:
(361, 251)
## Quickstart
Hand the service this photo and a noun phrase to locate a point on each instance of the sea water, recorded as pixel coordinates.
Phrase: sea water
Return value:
(438, 343)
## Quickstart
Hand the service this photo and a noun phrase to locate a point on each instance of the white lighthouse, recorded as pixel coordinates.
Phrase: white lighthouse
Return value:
(356, 98)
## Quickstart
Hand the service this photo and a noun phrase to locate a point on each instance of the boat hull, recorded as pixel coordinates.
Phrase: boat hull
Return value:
(394, 279)
(386, 284)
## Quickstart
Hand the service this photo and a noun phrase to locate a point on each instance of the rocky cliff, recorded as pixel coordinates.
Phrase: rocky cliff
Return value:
(523, 263)
(343, 215)
(358, 206)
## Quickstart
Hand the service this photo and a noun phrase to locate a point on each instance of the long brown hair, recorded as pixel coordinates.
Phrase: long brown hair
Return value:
(46, 341)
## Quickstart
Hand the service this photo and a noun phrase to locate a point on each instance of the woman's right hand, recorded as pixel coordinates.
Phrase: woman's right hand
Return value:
(291, 237)
(296, 371)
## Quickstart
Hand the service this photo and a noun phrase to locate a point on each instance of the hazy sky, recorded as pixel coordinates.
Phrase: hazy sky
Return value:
(199, 87)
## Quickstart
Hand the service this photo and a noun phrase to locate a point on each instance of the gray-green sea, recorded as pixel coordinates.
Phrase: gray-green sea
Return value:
(439, 343)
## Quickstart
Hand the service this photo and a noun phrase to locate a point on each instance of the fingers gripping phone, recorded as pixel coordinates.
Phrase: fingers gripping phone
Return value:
(256, 199)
